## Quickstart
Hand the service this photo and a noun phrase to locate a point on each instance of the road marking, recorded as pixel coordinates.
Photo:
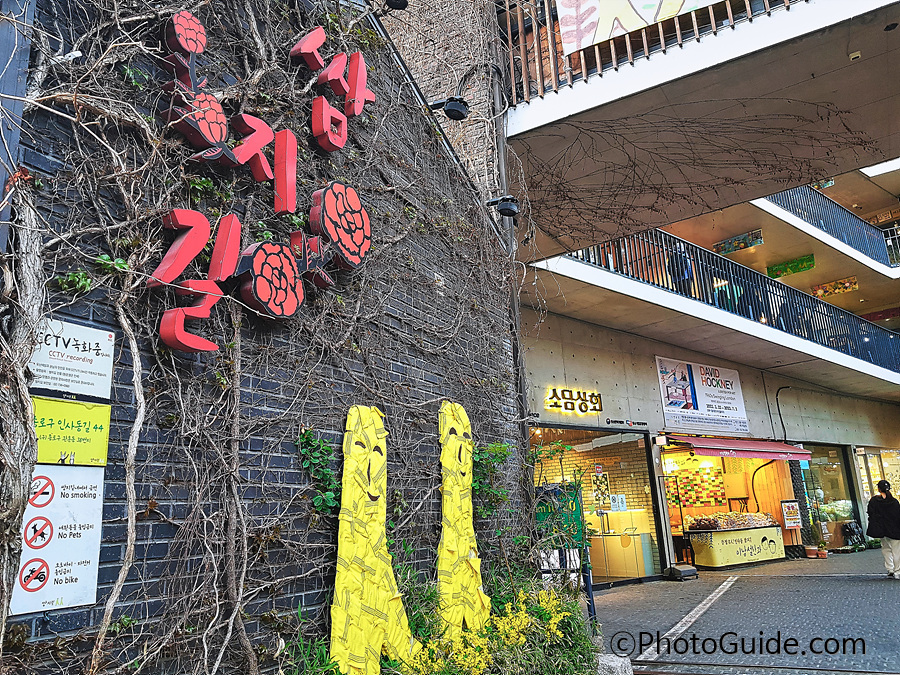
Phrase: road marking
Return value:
(650, 653)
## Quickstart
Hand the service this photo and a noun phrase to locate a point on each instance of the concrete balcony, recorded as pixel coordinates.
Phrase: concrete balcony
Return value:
(815, 214)
(655, 285)
(712, 109)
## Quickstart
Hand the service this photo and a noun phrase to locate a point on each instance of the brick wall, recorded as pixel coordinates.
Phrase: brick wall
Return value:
(445, 43)
(424, 319)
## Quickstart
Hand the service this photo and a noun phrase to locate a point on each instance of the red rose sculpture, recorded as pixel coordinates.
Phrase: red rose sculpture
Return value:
(185, 34)
(195, 113)
(271, 281)
(338, 213)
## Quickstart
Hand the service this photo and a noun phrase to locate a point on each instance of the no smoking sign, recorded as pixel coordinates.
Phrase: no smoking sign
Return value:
(60, 539)
(42, 491)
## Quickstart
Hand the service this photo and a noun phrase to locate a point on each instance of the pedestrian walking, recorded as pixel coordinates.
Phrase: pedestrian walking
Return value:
(884, 523)
(680, 270)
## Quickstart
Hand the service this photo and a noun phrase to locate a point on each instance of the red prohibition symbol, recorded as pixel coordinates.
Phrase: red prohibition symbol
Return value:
(42, 491)
(38, 532)
(34, 575)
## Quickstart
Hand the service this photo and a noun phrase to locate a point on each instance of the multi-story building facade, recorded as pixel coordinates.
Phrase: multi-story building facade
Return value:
(711, 266)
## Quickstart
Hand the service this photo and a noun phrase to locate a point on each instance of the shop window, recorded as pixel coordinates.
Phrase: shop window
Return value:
(617, 495)
(890, 459)
(829, 493)
(726, 510)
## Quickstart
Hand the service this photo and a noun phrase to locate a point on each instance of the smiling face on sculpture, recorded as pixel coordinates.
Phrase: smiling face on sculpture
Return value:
(456, 442)
(367, 613)
(366, 456)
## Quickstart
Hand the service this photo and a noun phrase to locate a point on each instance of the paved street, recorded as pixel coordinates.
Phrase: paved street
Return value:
(845, 596)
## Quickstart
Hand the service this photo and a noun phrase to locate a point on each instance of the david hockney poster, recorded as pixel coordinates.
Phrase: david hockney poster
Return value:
(700, 397)
(586, 22)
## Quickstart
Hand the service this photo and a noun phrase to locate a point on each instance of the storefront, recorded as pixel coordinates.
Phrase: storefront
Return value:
(829, 489)
(598, 390)
(610, 470)
(730, 501)
(875, 464)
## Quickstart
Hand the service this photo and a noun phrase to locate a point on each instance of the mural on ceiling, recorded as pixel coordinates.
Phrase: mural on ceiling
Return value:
(794, 266)
(838, 287)
(464, 604)
(367, 614)
(738, 243)
(587, 22)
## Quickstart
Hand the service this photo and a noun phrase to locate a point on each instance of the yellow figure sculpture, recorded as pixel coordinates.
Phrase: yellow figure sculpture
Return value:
(464, 604)
(367, 615)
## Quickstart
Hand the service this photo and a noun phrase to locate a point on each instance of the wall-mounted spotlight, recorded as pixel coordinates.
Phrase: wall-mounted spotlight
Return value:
(507, 205)
(454, 107)
(397, 4)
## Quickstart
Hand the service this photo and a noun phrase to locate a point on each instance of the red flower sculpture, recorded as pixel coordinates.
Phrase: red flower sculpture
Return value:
(196, 114)
(271, 281)
(185, 34)
(338, 213)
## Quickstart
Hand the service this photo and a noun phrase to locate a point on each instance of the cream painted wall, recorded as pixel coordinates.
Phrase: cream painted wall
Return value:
(563, 352)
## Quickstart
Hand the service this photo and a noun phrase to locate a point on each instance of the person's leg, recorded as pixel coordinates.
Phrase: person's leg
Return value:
(887, 552)
(895, 549)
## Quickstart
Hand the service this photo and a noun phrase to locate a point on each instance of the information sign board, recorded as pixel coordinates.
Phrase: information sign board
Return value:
(60, 540)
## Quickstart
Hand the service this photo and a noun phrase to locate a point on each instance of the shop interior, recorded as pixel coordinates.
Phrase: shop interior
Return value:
(877, 464)
(616, 496)
(828, 490)
(709, 493)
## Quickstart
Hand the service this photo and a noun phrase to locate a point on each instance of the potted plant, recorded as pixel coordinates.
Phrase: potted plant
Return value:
(812, 551)
(822, 552)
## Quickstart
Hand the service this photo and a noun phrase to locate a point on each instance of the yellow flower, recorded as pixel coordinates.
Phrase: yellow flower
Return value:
(552, 605)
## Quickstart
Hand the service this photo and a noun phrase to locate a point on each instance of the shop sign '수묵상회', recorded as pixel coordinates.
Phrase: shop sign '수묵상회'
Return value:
(60, 540)
(577, 401)
(700, 397)
(73, 359)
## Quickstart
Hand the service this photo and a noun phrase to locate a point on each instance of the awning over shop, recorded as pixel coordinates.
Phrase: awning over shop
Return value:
(740, 447)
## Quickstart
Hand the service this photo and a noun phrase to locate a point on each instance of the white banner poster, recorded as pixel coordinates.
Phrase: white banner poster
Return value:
(700, 397)
(73, 359)
(60, 539)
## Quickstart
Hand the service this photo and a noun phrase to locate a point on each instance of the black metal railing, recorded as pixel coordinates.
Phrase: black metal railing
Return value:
(830, 217)
(665, 261)
(892, 239)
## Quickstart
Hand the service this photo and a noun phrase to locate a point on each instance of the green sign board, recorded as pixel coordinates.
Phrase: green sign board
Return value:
(559, 515)
(803, 264)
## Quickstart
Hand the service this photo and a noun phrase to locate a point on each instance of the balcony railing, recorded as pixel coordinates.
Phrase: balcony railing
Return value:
(818, 210)
(537, 64)
(664, 261)
(892, 239)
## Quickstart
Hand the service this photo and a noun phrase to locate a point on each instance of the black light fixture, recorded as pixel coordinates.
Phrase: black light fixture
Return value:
(507, 205)
(397, 4)
(454, 107)
(890, 27)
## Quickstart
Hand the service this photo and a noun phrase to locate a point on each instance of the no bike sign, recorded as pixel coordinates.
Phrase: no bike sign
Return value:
(60, 539)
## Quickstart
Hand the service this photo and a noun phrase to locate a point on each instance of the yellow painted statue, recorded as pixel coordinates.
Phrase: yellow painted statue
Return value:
(367, 615)
(464, 604)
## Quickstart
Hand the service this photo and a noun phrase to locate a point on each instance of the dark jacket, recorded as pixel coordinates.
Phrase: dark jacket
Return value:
(884, 517)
